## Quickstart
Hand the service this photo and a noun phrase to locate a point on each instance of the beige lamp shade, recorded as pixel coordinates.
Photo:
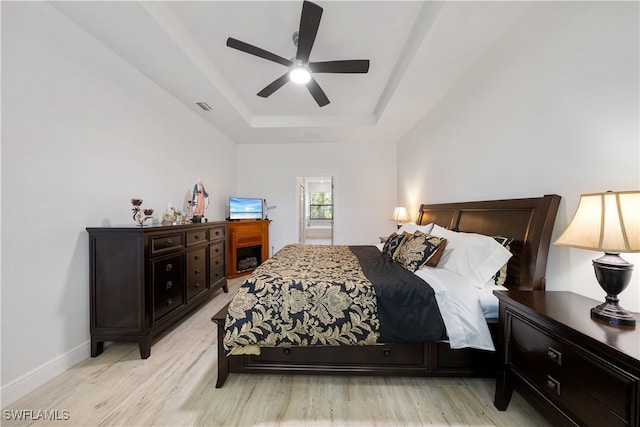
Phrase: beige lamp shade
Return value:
(400, 214)
(607, 222)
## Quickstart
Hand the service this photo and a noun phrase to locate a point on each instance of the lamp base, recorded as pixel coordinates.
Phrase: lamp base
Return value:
(613, 274)
(613, 314)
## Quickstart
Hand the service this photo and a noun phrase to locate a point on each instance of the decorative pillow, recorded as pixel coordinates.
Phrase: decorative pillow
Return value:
(412, 228)
(418, 250)
(394, 241)
(474, 256)
(501, 276)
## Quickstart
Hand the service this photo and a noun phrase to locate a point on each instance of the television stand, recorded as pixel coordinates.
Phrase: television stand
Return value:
(247, 245)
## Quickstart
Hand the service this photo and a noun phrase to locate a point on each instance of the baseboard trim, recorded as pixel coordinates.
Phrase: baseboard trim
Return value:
(28, 382)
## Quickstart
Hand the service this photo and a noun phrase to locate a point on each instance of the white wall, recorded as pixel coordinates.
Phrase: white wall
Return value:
(82, 133)
(364, 180)
(553, 108)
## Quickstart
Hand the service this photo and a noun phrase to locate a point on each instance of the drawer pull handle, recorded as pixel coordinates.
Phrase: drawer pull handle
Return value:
(197, 257)
(169, 267)
(170, 301)
(168, 242)
(553, 384)
(555, 355)
(197, 285)
(386, 352)
(197, 271)
(196, 237)
(169, 285)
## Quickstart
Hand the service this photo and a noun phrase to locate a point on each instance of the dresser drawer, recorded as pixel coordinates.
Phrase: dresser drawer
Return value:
(216, 249)
(166, 243)
(218, 232)
(216, 269)
(196, 272)
(197, 236)
(578, 380)
(168, 285)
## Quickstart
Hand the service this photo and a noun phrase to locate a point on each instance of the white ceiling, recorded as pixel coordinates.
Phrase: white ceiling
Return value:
(417, 52)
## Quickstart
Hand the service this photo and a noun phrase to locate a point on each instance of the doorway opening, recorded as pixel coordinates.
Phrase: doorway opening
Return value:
(315, 210)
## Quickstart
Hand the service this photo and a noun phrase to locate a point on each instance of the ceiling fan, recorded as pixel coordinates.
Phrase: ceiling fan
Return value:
(300, 68)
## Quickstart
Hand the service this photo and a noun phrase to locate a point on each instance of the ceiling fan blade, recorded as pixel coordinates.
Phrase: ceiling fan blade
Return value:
(317, 92)
(309, 23)
(274, 85)
(349, 66)
(253, 50)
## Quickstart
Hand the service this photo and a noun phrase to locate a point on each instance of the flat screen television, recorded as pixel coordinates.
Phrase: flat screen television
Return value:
(245, 208)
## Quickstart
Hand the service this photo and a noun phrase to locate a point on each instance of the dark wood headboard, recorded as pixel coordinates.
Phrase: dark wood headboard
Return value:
(528, 221)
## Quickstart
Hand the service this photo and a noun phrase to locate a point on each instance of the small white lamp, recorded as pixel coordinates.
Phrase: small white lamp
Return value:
(400, 214)
(608, 222)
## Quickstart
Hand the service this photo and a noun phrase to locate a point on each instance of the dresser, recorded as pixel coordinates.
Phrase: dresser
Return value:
(145, 279)
(575, 370)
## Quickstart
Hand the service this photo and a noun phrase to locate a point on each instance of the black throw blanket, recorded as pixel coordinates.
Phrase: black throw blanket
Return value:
(407, 306)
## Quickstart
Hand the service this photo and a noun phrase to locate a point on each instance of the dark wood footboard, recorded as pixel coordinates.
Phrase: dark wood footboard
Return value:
(415, 360)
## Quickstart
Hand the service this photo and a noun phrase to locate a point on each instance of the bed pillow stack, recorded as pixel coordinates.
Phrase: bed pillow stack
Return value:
(413, 247)
(474, 256)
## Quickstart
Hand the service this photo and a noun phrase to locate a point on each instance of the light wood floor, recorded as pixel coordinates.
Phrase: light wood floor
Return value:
(175, 387)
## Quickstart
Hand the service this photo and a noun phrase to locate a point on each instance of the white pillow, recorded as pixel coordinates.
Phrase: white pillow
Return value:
(412, 228)
(474, 256)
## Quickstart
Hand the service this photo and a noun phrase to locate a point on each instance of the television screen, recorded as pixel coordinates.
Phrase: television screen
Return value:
(245, 208)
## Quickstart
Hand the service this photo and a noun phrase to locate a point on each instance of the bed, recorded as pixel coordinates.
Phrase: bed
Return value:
(527, 224)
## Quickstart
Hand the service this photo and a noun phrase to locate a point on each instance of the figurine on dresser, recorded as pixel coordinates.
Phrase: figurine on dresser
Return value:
(200, 201)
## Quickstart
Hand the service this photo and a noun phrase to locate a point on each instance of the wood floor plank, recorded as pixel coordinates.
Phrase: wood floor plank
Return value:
(175, 387)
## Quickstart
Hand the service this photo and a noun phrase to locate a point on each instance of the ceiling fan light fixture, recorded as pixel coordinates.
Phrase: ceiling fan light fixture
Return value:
(299, 74)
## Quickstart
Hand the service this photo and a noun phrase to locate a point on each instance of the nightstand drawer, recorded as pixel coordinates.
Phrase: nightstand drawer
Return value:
(580, 381)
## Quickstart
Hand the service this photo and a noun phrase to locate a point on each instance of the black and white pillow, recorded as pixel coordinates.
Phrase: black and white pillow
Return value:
(419, 250)
(501, 276)
(394, 241)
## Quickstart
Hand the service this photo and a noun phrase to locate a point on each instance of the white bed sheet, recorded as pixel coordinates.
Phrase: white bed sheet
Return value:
(488, 301)
(459, 303)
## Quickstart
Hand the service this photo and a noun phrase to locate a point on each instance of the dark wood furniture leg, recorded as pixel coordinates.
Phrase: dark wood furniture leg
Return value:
(223, 360)
(97, 347)
(144, 342)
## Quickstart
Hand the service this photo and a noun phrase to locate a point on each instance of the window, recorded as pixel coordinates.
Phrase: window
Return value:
(320, 206)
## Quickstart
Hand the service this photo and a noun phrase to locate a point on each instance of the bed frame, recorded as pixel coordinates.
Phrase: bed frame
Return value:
(529, 221)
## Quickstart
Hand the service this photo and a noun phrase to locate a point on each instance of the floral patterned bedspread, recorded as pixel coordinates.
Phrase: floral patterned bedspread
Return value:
(319, 295)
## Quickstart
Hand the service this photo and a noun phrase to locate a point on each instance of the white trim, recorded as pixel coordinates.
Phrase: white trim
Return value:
(44, 373)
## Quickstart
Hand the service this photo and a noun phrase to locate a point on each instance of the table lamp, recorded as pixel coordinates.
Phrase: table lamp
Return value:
(608, 222)
(400, 214)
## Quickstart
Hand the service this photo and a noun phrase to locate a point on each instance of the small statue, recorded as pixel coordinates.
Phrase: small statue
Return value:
(200, 201)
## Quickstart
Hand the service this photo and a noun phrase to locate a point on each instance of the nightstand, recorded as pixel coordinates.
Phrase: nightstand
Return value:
(573, 369)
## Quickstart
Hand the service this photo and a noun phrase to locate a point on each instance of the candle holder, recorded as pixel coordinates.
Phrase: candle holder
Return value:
(138, 212)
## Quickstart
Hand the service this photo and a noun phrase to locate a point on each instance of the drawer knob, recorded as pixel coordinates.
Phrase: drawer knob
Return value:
(554, 355)
(553, 384)
(169, 285)
(197, 285)
(170, 301)
(217, 232)
(386, 352)
(169, 267)
(197, 236)
(197, 257)
(286, 351)
(197, 271)
(168, 242)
